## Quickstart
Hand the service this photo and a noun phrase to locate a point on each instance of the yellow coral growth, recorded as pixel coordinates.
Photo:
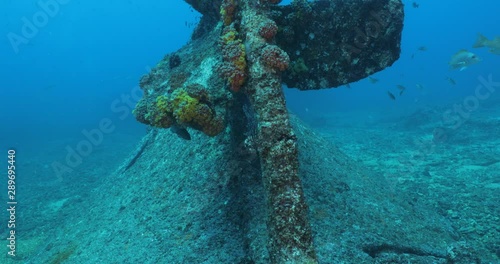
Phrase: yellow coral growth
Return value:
(241, 62)
(234, 56)
(162, 103)
(160, 116)
(229, 36)
(185, 108)
(227, 9)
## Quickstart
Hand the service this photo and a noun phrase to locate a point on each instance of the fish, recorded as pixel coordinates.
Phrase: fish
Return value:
(462, 59)
(422, 48)
(181, 132)
(373, 80)
(493, 45)
(401, 89)
(415, 5)
(419, 86)
(348, 86)
(391, 95)
(450, 80)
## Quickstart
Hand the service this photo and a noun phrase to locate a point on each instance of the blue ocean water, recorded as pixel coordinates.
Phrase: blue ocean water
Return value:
(444, 28)
(70, 70)
(93, 52)
(82, 60)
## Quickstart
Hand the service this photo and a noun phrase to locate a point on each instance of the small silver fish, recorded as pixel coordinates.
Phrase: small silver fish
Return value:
(450, 80)
(422, 48)
(401, 87)
(373, 80)
(462, 59)
(391, 95)
(419, 86)
(494, 44)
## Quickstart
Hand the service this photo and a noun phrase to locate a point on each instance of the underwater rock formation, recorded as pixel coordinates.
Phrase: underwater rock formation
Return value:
(203, 202)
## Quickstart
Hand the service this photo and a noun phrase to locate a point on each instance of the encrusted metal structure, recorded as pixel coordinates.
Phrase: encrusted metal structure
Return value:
(242, 52)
